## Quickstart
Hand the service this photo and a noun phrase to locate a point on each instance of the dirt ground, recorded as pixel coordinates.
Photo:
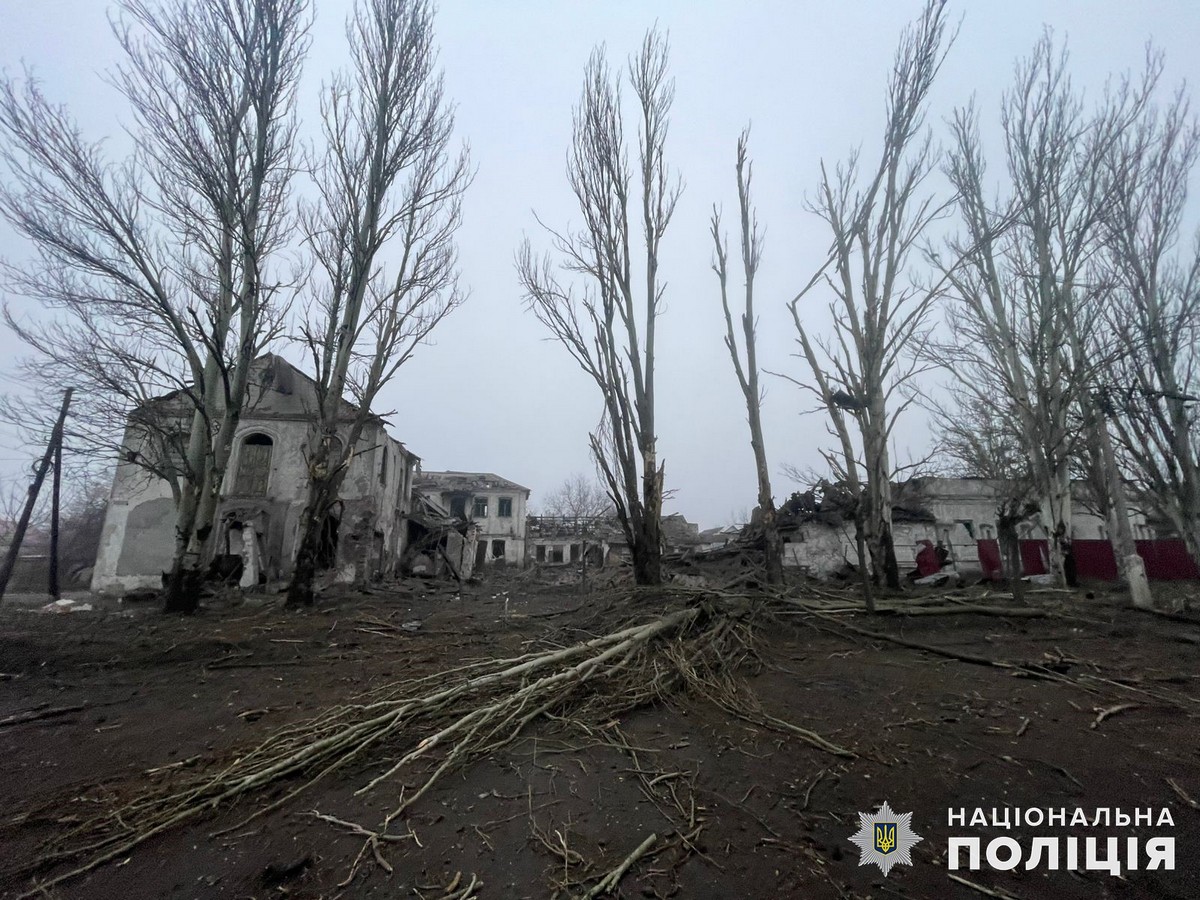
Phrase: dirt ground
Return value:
(94, 704)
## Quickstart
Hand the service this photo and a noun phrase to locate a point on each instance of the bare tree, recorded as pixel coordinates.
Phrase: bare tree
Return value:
(1023, 310)
(978, 437)
(578, 497)
(157, 269)
(879, 313)
(608, 325)
(382, 235)
(746, 369)
(1151, 394)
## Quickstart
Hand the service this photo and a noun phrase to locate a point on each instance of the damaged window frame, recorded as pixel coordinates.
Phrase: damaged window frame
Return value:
(252, 477)
(504, 508)
(479, 508)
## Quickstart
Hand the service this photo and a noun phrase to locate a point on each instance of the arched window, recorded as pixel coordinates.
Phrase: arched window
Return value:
(254, 466)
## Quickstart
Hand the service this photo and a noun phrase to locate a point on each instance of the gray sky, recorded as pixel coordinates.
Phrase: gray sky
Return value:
(492, 393)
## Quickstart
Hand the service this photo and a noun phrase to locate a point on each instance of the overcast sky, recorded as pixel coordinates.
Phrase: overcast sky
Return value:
(491, 393)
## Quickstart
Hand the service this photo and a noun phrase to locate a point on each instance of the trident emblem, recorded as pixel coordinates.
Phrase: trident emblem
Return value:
(885, 836)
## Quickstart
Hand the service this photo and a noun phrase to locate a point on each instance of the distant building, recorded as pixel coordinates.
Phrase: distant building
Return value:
(495, 505)
(570, 540)
(958, 512)
(264, 492)
(566, 540)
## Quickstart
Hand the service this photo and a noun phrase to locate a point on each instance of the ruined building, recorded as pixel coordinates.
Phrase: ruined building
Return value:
(263, 497)
(495, 505)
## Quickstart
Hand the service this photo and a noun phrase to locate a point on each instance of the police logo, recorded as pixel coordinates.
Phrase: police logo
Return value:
(885, 838)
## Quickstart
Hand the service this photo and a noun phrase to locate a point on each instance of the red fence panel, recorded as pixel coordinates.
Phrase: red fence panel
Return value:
(1035, 557)
(989, 558)
(1095, 560)
(1167, 560)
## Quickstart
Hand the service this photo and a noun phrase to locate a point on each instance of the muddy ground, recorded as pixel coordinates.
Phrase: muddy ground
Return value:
(94, 705)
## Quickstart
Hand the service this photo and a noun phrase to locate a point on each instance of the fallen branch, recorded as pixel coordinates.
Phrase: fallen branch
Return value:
(448, 718)
(613, 878)
(38, 715)
(916, 645)
(1006, 612)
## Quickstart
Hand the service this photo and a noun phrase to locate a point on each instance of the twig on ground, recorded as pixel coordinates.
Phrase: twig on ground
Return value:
(1183, 795)
(979, 888)
(812, 784)
(1103, 713)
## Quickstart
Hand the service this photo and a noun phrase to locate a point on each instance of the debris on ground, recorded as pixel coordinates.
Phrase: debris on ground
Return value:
(687, 741)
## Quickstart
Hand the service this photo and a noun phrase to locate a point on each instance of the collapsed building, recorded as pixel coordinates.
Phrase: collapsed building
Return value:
(439, 543)
(264, 492)
(494, 506)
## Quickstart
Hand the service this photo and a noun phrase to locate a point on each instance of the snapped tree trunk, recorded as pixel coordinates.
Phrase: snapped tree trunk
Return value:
(772, 543)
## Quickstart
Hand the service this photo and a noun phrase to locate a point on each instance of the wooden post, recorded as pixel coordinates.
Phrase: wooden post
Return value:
(55, 493)
(10, 560)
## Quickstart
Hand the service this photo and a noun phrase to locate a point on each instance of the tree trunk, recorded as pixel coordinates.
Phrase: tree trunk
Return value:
(647, 545)
(1010, 556)
(1129, 563)
(1190, 532)
(879, 487)
(891, 569)
(864, 569)
(322, 494)
(1057, 513)
(181, 591)
(647, 563)
(300, 589)
(772, 545)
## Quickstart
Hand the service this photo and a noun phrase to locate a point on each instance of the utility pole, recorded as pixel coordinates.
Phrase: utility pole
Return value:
(1132, 568)
(55, 492)
(10, 560)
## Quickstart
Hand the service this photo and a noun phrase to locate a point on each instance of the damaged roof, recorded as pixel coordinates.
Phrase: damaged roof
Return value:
(468, 482)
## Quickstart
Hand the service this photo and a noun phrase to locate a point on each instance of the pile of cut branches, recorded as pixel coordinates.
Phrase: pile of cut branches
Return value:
(427, 727)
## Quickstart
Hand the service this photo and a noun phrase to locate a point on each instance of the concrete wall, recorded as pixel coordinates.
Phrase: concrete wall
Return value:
(137, 541)
(820, 550)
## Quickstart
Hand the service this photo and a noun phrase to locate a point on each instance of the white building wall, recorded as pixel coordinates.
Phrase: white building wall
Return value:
(135, 558)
